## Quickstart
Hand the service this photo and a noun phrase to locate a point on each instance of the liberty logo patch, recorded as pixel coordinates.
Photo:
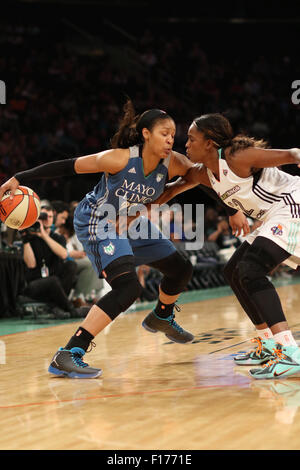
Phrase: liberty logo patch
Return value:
(277, 230)
(109, 249)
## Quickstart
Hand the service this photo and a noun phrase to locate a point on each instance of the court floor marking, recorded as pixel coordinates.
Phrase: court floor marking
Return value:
(114, 395)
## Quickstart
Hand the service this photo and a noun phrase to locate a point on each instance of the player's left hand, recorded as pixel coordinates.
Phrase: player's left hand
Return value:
(239, 223)
(10, 185)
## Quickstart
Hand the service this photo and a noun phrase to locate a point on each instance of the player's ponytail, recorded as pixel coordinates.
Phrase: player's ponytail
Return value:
(126, 135)
(132, 125)
(241, 142)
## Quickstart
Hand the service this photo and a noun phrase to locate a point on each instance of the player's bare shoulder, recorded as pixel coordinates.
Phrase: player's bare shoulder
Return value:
(122, 155)
(179, 164)
(113, 160)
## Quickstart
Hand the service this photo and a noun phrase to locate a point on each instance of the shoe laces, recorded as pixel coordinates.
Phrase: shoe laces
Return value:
(259, 345)
(91, 346)
(278, 356)
(77, 359)
(77, 356)
(174, 324)
(172, 321)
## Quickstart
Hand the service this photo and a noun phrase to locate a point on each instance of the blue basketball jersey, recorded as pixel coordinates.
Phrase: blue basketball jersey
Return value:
(130, 186)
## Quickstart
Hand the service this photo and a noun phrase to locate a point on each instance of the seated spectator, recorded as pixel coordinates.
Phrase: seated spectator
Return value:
(48, 278)
(221, 234)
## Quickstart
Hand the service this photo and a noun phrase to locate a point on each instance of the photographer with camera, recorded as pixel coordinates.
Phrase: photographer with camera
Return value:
(48, 277)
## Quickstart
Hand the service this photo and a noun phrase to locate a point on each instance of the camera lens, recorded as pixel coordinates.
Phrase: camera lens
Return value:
(43, 216)
(35, 227)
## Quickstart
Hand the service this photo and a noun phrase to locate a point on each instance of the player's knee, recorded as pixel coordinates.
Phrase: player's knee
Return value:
(126, 288)
(231, 273)
(178, 274)
(253, 276)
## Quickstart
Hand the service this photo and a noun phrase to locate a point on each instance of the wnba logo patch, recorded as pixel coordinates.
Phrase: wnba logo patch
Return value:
(277, 230)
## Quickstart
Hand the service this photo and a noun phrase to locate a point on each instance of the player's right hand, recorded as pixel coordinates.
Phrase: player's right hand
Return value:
(239, 224)
(10, 185)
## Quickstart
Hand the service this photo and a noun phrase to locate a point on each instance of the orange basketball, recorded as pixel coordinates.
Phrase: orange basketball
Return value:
(22, 211)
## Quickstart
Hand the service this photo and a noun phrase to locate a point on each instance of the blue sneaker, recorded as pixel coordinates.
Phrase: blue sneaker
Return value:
(69, 363)
(172, 330)
(263, 353)
(286, 362)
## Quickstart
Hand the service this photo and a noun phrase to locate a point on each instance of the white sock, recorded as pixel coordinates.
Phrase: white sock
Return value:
(285, 338)
(266, 333)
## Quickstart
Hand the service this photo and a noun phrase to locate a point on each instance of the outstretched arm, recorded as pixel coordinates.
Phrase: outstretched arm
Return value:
(197, 176)
(249, 160)
(111, 161)
(193, 177)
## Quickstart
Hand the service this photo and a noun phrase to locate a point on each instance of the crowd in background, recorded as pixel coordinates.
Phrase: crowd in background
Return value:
(61, 104)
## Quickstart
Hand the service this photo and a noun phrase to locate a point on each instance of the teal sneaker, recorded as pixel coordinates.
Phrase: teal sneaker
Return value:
(263, 353)
(286, 362)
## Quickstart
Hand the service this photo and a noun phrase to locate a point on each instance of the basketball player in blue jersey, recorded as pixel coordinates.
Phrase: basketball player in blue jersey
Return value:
(244, 173)
(134, 171)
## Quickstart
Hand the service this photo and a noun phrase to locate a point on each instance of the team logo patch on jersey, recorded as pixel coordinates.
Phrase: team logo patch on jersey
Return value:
(109, 249)
(230, 192)
(277, 230)
(159, 177)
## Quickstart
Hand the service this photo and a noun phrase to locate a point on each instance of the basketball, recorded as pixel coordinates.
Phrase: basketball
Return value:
(22, 211)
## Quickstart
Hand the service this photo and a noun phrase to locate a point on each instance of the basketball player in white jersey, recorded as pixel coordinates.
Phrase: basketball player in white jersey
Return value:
(244, 173)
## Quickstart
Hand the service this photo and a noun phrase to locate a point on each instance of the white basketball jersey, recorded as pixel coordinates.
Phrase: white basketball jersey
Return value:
(258, 194)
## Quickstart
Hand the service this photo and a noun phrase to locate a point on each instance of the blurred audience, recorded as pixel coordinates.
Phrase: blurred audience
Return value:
(63, 103)
(49, 276)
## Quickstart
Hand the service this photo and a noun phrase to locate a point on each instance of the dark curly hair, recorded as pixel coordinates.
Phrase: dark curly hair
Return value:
(215, 126)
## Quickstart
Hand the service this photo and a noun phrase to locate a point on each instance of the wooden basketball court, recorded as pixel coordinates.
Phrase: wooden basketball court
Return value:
(153, 394)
